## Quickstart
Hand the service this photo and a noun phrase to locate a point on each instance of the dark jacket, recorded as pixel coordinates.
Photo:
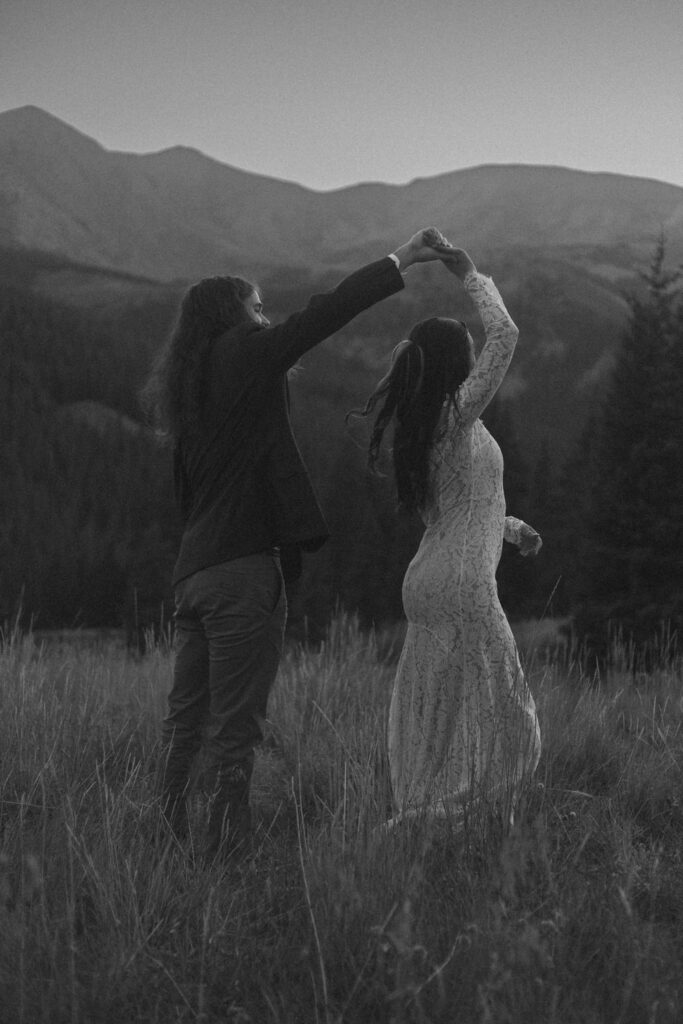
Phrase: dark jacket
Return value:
(241, 483)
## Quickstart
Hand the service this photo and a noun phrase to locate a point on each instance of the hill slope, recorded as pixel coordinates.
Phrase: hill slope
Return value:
(178, 213)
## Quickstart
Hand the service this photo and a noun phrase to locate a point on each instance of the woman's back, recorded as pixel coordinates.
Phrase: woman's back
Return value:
(454, 568)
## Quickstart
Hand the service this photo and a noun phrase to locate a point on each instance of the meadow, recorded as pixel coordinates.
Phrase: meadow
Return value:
(572, 916)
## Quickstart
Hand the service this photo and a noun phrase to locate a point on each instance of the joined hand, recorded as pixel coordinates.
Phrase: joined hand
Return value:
(424, 246)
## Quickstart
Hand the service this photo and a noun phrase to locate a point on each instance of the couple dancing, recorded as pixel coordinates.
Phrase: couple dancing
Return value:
(462, 722)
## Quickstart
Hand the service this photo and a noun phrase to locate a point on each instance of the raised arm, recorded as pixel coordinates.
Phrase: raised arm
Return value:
(501, 337)
(281, 345)
(494, 359)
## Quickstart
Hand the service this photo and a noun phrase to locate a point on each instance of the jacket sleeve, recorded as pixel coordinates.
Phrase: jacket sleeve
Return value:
(278, 347)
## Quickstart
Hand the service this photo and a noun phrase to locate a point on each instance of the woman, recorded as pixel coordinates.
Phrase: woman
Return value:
(462, 723)
(219, 389)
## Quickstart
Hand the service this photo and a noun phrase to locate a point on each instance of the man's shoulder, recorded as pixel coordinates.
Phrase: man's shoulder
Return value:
(242, 357)
(236, 343)
(239, 332)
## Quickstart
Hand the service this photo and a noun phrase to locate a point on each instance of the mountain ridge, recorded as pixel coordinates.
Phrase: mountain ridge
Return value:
(31, 116)
(180, 214)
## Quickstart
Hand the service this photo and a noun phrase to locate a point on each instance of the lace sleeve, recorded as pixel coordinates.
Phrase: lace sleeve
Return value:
(501, 337)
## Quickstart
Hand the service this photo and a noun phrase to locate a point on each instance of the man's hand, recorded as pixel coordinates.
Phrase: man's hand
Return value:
(425, 246)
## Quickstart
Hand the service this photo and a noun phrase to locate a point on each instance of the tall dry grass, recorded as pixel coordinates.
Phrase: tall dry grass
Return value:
(572, 917)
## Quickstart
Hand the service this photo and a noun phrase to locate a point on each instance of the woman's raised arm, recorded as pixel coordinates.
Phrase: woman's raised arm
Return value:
(501, 337)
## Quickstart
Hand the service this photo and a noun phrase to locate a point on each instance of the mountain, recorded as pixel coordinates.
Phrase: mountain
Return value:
(121, 234)
(180, 214)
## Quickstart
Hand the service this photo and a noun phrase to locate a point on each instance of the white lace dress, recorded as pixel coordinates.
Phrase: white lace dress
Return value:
(462, 722)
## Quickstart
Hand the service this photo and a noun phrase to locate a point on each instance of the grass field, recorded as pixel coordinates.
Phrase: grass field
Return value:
(573, 917)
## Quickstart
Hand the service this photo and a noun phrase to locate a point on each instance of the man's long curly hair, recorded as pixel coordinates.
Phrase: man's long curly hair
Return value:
(174, 394)
(426, 371)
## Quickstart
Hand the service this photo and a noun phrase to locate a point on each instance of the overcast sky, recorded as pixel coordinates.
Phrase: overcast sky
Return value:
(330, 93)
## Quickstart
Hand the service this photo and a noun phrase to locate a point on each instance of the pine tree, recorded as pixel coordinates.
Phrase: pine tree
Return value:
(632, 572)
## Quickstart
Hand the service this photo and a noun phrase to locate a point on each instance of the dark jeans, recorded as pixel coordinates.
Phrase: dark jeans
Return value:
(230, 621)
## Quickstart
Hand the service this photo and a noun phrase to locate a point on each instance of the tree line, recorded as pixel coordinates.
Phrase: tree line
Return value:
(88, 529)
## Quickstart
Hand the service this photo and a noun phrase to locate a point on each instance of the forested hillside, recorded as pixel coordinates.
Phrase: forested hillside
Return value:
(84, 503)
(89, 531)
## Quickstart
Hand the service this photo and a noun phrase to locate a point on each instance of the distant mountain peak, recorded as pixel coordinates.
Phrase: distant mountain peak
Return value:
(33, 124)
(26, 112)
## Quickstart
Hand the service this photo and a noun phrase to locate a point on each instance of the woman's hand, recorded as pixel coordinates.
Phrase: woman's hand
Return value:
(459, 263)
(529, 541)
(426, 245)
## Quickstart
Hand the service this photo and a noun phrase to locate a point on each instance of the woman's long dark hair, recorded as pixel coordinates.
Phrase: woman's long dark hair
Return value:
(173, 396)
(426, 371)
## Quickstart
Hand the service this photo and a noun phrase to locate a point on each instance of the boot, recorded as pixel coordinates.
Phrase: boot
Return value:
(228, 832)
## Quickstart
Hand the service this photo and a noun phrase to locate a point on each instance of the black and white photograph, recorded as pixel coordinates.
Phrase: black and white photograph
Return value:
(341, 512)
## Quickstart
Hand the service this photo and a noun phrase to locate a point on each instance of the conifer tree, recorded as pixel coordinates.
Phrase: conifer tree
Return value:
(632, 571)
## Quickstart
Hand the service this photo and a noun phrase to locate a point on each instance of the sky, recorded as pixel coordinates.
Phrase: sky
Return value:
(331, 93)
